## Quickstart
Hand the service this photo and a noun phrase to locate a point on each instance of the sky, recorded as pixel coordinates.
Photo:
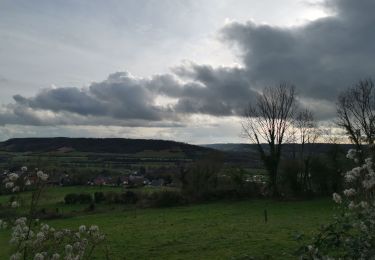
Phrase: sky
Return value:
(181, 70)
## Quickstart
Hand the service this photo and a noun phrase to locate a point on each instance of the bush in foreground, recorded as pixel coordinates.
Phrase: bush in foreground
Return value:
(352, 233)
(33, 240)
(74, 198)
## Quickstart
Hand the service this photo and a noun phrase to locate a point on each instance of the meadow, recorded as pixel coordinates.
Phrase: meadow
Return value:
(217, 230)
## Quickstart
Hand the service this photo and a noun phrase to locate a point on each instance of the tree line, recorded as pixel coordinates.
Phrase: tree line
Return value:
(277, 118)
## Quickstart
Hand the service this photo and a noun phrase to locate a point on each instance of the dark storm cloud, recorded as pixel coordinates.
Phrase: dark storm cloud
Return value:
(63, 99)
(321, 57)
(206, 90)
(120, 96)
(215, 91)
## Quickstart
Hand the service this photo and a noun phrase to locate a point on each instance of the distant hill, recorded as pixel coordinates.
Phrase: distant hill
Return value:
(234, 154)
(288, 148)
(99, 145)
(232, 147)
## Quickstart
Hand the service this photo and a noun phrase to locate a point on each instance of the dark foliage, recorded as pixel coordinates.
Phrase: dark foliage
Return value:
(99, 197)
(74, 198)
(98, 145)
(166, 199)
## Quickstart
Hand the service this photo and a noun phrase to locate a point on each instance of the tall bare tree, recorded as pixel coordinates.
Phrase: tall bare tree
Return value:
(307, 135)
(356, 113)
(269, 121)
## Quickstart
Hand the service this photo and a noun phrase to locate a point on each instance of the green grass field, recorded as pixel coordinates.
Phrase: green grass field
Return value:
(222, 230)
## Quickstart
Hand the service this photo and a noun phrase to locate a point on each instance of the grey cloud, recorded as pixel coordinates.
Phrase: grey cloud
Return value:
(321, 57)
(63, 99)
(215, 91)
(122, 99)
(19, 115)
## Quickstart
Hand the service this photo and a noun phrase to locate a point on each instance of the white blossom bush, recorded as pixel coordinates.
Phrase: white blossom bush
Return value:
(352, 233)
(38, 241)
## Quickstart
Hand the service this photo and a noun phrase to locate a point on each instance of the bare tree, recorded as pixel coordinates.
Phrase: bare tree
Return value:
(333, 155)
(269, 121)
(307, 133)
(355, 110)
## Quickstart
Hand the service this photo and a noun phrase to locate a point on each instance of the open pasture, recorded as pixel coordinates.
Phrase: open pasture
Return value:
(220, 230)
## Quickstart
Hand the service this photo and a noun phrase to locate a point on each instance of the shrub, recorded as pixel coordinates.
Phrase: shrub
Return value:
(166, 199)
(84, 198)
(111, 197)
(99, 197)
(47, 214)
(201, 177)
(351, 235)
(74, 198)
(91, 207)
(30, 240)
(128, 197)
(290, 177)
(71, 198)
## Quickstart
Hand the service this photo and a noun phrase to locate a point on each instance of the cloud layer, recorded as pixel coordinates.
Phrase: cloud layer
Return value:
(122, 99)
(321, 58)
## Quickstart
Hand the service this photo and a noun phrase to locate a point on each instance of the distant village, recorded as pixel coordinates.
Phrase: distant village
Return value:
(133, 180)
(129, 179)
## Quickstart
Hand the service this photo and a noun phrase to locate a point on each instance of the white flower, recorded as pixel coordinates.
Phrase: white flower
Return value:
(20, 221)
(364, 204)
(41, 175)
(368, 161)
(58, 234)
(16, 189)
(15, 204)
(351, 205)
(351, 154)
(55, 256)
(368, 184)
(16, 256)
(24, 169)
(40, 236)
(349, 177)
(82, 228)
(356, 171)
(68, 249)
(28, 183)
(77, 245)
(9, 185)
(39, 256)
(13, 176)
(44, 227)
(94, 228)
(337, 198)
(1, 223)
(349, 192)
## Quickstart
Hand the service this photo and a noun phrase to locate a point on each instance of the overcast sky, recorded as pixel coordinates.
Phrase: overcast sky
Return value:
(170, 69)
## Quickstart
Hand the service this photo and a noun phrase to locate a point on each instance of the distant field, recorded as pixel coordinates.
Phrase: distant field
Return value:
(76, 161)
(223, 230)
(53, 197)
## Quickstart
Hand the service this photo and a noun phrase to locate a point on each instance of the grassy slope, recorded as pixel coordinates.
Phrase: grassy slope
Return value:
(220, 230)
